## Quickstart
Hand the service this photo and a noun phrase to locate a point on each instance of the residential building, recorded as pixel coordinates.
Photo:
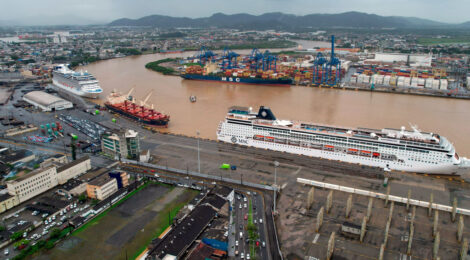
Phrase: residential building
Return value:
(121, 144)
(101, 187)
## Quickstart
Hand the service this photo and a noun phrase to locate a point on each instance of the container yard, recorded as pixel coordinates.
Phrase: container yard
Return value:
(264, 68)
(400, 77)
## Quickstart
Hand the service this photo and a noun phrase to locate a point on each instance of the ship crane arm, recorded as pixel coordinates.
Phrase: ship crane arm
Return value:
(130, 92)
(144, 102)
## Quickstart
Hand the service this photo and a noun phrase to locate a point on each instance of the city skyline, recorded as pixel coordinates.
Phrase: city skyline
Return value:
(91, 12)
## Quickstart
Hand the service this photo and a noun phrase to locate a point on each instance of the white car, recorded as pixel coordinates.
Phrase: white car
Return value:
(245, 205)
(260, 220)
(242, 256)
(240, 206)
(255, 221)
(6, 252)
(241, 234)
(244, 199)
(236, 242)
(248, 256)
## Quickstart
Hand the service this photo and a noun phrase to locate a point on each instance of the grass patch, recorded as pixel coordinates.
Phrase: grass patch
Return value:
(155, 66)
(97, 218)
(252, 231)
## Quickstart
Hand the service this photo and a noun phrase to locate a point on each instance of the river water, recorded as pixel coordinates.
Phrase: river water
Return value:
(448, 117)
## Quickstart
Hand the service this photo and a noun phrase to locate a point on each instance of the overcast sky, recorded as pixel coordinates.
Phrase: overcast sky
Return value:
(42, 12)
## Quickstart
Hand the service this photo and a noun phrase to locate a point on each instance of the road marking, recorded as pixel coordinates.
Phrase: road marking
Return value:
(316, 238)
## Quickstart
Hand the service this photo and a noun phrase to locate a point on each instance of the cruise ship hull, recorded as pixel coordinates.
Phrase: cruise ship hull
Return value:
(62, 85)
(417, 167)
(238, 80)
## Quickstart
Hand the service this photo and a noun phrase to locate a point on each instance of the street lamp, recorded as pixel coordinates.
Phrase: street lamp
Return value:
(198, 156)
(276, 164)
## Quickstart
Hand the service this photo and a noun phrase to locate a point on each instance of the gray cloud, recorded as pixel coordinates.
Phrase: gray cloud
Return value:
(102, 11)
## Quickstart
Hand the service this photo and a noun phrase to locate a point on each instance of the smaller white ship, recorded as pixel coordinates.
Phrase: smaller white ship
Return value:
(80, 83)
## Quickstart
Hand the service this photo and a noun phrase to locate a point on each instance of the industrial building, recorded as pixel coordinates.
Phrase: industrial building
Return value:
(413, 60)
(101, 187)
(73, 169)
(33, 183)
(45, 178)
(13, 157)
(7, 202)
(174, 243)
(121, 144)
(46, 102)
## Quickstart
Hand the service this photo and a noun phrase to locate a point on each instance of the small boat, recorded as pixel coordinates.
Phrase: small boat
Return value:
(192, 99)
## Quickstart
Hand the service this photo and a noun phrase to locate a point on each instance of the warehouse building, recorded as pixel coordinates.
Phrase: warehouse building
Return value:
(46, 102)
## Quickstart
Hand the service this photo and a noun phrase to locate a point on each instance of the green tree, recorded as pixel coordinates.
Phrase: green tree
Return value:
(17, 235)
(55, 233)
(82, 197)
(49, 245)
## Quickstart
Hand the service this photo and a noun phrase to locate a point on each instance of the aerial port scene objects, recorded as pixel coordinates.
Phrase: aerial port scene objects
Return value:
(234, 136)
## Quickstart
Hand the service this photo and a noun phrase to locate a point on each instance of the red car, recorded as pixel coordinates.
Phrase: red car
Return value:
(257, 243)
(152, 170)
(246, 217)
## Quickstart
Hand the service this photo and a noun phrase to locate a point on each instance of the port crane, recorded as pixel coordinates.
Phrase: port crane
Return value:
(269, 61)
(319, 69)
(229, 59)
(256, 59)
(327, 71)
(204, 55)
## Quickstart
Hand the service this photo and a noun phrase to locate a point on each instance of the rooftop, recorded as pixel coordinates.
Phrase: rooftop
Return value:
(31, 174)
(73, 163)
(11, 156)
(101, 180)
(43, 98)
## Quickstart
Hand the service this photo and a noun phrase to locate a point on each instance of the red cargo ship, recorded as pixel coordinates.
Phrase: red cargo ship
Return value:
(126, 106)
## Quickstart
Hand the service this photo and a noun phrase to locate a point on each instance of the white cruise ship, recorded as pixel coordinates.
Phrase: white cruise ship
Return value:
(390, 149)
(79, 83)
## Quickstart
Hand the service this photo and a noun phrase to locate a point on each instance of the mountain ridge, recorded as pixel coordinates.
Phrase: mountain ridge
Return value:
(279, 20)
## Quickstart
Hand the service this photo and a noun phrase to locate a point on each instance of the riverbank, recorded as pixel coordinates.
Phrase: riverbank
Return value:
(165, 70)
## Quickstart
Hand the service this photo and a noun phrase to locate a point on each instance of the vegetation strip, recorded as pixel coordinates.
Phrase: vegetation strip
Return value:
(155, 66)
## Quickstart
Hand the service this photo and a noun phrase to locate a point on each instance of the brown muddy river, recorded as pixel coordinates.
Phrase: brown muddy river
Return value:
(448, 117)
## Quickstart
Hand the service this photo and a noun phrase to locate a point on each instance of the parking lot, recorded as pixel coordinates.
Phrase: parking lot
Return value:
(37, 218)
(125, 229)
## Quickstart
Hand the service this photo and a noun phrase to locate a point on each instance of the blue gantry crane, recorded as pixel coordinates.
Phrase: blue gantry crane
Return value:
(269, 61)
(333, 67)
(229, 59)
(204, 55)
(327, 71)
(256, 59)
(319, 69)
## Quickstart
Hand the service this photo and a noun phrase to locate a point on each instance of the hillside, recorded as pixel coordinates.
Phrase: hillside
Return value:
(281, 21)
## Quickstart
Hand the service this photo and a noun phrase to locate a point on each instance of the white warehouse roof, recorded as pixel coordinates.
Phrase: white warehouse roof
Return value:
(46, 101)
